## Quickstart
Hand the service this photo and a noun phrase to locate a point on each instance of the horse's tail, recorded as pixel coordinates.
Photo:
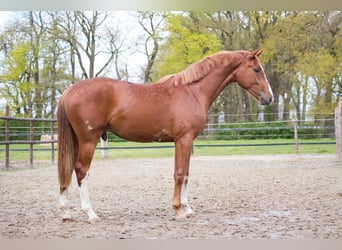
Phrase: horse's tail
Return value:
(67, 148)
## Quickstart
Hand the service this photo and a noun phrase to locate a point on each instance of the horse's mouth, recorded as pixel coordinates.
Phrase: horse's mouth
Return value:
(266, 101)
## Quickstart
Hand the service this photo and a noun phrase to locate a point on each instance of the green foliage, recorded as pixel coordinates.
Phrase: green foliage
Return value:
(16, 76)
(185, 45)
(17, 62)
(303, 49)
(274, 130)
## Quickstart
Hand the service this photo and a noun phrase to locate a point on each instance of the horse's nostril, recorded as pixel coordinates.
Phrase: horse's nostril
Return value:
(271, 99)
(264, 101)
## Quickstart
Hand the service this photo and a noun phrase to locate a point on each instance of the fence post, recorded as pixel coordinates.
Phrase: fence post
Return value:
(296, 137)
(52, 139)
(7, 131)
(338, 128)
(31, 138)
(104, 147)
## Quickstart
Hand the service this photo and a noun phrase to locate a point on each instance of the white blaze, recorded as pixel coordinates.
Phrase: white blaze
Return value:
(269, 86)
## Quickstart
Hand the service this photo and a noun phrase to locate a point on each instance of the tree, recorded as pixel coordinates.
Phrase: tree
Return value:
(54, 70)
(37, 34)
(79, 30)
(321, 72)
(301, 49)
(183, 46)
(151, 22)
(16, 78)
(20, 73)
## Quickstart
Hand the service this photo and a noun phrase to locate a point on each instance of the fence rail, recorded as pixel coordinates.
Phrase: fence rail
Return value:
(7, 142)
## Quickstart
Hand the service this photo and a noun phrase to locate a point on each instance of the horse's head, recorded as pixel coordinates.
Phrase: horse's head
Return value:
(251, 76)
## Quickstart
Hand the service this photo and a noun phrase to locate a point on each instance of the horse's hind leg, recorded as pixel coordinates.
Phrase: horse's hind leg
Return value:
(85, 155)
(64, 205)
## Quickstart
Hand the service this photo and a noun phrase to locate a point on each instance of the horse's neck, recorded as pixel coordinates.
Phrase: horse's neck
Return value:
(210, 87)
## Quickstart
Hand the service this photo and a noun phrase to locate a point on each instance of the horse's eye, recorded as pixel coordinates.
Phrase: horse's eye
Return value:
(257, 70)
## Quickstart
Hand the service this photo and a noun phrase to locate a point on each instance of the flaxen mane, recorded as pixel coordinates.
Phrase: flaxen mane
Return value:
(200, 69)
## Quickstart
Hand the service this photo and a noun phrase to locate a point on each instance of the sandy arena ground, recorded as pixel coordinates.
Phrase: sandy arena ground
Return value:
(250, 197)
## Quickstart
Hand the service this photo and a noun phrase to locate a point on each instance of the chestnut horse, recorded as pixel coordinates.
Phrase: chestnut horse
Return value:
(173, 109)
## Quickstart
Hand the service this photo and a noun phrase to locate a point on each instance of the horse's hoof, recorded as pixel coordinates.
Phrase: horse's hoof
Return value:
(181, 216)
(67, 220)
(190, 214)
(93, 220)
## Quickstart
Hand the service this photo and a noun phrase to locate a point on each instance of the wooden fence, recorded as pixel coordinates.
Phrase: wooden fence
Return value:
(338, 128)
(32, 121)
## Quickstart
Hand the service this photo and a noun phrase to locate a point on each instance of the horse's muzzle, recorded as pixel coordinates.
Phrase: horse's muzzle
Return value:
(266, 101)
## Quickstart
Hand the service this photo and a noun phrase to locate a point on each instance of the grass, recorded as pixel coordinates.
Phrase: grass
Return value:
(202, 148)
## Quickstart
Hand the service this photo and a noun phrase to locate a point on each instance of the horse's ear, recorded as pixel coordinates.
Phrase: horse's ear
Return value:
(256, 53)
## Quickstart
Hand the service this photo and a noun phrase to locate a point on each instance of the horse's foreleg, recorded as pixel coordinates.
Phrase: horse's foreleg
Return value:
(184, 197)
(85, 156)
(181, 174)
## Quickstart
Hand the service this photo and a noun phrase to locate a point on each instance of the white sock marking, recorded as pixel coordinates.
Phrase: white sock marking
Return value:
(85, 200)
(64, 204)
(184, 197)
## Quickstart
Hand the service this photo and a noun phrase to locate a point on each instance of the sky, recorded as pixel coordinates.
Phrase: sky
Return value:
(4, 17)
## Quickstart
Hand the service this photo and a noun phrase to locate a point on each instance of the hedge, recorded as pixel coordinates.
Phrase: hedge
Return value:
(274, 130)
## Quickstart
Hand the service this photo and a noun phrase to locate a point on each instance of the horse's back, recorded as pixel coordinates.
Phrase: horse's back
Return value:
(97, 92)
(90, 87)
